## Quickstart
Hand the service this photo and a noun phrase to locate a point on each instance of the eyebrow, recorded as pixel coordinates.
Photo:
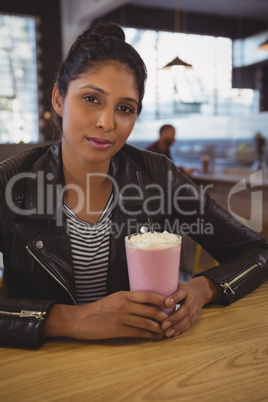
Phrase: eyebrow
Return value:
(106, 93)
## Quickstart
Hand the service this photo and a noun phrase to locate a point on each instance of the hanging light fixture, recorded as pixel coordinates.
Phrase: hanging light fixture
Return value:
(177, 62)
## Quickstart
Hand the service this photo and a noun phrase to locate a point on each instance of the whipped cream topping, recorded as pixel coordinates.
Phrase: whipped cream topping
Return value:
(154, 240)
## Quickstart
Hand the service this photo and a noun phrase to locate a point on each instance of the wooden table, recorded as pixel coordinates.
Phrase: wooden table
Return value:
(223, 357)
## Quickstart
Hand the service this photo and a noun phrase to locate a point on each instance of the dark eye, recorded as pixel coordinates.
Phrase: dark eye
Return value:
(125, 109)
(91, 99)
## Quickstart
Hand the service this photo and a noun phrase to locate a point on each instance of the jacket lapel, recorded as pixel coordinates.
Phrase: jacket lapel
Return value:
(45, 185)
(44, 201)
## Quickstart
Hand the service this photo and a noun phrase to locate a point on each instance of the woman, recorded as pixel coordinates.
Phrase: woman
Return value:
(66, 209)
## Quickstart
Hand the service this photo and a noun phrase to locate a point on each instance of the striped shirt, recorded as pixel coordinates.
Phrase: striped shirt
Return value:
(90, 253)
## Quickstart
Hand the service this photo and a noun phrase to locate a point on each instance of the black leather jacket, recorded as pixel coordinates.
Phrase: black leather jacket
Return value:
(36, 248)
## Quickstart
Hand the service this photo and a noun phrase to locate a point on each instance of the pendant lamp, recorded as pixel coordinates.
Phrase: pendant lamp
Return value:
(177, 62)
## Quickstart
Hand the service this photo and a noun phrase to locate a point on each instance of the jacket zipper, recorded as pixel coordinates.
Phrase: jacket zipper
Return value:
(50, 273)
(228, 285)
(25, 313)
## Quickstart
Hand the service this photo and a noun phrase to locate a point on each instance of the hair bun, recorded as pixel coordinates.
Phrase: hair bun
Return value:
(103, 29)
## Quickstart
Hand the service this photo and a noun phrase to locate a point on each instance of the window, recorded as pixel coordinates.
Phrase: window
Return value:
(18, 80)
(200, 100)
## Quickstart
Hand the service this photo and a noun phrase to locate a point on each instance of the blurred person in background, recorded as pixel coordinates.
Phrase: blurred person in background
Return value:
(166, 139)
(162, 146)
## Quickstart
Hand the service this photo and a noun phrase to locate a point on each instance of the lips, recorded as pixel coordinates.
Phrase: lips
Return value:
(99, 143)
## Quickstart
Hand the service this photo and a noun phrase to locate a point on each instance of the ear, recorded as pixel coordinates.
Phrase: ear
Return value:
(56, 100)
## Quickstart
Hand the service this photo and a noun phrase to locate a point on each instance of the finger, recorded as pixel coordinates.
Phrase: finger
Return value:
(176, 297)
(176, 317)
(132, 332)
(145, 310)
(147, 297)
(178, 329)
(120, 325)
(180, 325)
(143, 323)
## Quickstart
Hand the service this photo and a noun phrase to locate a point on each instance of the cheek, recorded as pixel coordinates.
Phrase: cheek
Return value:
(73, 119)
(126, 126)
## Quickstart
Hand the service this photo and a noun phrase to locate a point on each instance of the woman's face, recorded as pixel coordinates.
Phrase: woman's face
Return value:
(98, 113)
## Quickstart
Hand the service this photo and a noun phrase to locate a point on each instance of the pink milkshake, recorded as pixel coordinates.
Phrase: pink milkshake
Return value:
(153, 262)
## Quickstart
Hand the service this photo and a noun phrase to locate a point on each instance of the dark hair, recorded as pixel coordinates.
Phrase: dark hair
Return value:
(165, 127)
(103, 42)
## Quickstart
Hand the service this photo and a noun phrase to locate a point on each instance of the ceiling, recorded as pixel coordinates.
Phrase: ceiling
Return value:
(255, 9)
(77, 14)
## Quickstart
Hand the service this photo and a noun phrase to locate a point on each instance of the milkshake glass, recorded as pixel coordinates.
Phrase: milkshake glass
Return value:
(153, 261)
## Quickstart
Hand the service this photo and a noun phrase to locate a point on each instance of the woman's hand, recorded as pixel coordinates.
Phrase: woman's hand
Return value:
(122, 314)
(191, 296)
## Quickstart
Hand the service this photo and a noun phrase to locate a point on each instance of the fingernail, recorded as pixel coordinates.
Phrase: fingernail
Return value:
(169, 302)
(166, 325)
(170, 333)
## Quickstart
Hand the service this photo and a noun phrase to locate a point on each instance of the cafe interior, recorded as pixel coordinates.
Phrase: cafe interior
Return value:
(207, 64)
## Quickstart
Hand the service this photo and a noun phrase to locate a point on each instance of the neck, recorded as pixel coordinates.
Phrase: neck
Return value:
(86, 187)
(78, 171)
(80, 174)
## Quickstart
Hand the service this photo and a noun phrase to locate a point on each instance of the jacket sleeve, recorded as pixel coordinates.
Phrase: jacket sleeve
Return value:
(21, 322)
(242, 253)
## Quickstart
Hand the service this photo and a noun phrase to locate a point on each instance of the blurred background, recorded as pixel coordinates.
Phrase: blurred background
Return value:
(216, 96)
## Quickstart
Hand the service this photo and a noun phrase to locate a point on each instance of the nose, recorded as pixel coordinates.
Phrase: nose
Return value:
(106, 120)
